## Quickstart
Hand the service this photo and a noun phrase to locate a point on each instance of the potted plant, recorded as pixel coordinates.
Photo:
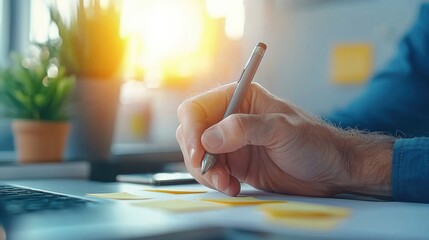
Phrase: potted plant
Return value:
(34, 92)
(93, 50)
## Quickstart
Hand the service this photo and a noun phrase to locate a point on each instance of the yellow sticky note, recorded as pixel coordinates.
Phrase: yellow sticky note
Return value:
(305, 215)
(118, 196)
(351, 63)
(240, 200)
(175, 191)
(138, 125)
(179, 205)
(303, 210)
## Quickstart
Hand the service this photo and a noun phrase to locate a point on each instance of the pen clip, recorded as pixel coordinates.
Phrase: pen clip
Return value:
(241, 76)
(249, 60)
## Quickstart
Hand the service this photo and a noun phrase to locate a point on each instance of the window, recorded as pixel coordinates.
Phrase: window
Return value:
(167, 39)
(172, 45)
(3, 32)
(5, 131)
(201, 49)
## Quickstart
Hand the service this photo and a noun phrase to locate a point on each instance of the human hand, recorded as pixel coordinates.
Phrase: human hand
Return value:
(274, 146)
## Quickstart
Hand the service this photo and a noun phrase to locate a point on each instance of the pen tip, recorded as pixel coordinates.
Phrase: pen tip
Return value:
(208, 162)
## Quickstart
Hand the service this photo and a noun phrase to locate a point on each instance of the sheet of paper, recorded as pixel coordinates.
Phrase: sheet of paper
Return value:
(240, 200)
(299, 210)
(179, 205)
(309, 223)
(118, 196)
(176, 191)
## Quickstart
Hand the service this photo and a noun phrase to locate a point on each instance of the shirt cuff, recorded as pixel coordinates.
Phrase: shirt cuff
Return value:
(410, 170)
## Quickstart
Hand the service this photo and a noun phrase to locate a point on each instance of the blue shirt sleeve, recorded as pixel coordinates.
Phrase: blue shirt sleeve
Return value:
(410, 170)
(396, 102)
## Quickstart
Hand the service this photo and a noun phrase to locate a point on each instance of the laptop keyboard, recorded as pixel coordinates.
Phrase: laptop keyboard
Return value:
(17, 200)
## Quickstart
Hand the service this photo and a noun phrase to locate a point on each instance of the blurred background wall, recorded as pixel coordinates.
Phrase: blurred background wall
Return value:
(302, 38)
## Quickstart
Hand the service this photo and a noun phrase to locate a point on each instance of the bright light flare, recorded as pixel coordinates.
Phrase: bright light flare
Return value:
(217, 8)
(171, 29)
(173, 39)
(234, 13)
(168, 34)
(235, 19)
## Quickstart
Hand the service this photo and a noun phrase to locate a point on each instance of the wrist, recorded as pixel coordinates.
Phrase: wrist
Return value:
(368, 162)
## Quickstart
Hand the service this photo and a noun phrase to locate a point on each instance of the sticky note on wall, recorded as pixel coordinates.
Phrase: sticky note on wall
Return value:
(351, 63)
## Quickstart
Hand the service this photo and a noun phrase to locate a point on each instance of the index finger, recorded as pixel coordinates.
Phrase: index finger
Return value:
(199, 113)
(207, 107)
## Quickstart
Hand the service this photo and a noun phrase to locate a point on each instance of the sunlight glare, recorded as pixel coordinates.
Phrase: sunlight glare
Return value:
(217, 8)
(235, 20)
(168, 35)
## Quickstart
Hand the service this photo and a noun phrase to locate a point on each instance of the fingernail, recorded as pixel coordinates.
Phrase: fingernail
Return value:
(213, 137)
(215, 180)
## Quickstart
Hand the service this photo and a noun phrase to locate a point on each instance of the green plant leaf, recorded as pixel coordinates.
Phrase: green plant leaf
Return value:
(23, 99)
(40, 100)
(26, 91)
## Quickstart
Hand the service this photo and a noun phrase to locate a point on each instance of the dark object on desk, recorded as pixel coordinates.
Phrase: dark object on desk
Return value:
(159, 179)
(104, 170)
(133, 163)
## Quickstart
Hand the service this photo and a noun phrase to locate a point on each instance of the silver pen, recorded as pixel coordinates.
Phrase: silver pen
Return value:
(240, 91)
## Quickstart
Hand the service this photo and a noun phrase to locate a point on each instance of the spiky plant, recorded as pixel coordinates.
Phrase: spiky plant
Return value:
(35, 87)
(91, 41)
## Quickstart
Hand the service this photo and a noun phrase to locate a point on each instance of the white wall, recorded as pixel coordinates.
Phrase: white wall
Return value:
(300, 34)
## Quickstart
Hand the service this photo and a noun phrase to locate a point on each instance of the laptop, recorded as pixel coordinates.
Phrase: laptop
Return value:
(60, 209)
(49, 207)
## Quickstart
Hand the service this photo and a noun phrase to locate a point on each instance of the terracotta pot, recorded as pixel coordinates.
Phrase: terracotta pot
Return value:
(40, 141)
(93, 118)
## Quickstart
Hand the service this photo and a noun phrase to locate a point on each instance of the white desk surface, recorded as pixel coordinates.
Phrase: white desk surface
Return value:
(368, 220)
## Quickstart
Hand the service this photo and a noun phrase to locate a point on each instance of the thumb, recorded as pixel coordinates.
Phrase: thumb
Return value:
(239, 130)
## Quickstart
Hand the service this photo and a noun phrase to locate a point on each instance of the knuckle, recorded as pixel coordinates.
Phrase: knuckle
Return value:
(257, 89)
(298, 125)
(276, 124)
(282, 119)
(244, 128)
(256, 86)
(238, 125)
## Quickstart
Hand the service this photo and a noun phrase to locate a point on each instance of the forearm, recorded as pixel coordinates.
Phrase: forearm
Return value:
(368, 162)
